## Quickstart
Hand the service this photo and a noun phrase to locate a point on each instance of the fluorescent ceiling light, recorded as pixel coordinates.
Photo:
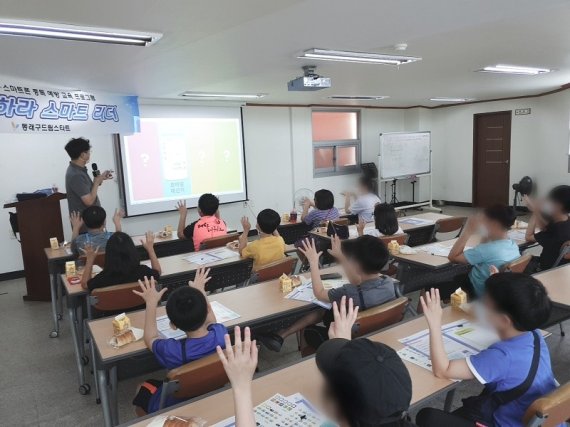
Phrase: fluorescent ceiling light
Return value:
(445, 99)
(514, 69)
(358, 97)
(360, 57)
(217, 95)
(49, 30)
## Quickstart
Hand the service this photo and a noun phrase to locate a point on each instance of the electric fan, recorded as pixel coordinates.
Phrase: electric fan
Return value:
(300, 196)
(522, 188)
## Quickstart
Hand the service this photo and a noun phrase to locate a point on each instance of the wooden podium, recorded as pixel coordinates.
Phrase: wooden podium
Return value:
(38, 221)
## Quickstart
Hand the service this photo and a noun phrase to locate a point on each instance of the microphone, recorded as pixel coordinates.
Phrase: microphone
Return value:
(96, 171)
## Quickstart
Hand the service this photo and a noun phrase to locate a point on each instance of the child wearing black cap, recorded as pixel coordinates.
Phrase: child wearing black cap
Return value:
(366, 383)
(188, 310)
(515, 371)
(362, 260)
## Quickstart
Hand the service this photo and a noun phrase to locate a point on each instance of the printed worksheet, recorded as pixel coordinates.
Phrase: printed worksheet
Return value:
(304, 292)
(415, 221)
(281, 411)
(223, 314)
(165, 331)
(202, 258)
(437, 249)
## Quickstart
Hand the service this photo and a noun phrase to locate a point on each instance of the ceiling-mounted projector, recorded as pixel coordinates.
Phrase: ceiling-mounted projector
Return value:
(310, 80)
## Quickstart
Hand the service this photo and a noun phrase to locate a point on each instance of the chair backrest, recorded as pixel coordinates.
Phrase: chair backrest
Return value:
(293, 232)
(518, 265)
(550, 410)
(116, 298)
(342, 221)
(222, 276)
(195, 378)
(564, 253)
(402, 239)
(276, 269)
(420, 236)
(449, 225)
(380, 317)
(99, 259)
(216, 242)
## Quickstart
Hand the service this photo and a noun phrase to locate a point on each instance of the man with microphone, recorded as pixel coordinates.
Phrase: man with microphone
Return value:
(81, 189)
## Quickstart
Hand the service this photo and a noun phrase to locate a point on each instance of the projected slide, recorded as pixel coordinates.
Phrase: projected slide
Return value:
(182, 158)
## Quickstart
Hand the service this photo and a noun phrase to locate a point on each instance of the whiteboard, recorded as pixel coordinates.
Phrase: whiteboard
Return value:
(403, 154)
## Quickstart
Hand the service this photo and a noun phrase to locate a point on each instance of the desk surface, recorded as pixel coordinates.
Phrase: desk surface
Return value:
(252, 303)
(62, 253)
(303, 377)
(429, 216)
(428, 260)
(557, 283)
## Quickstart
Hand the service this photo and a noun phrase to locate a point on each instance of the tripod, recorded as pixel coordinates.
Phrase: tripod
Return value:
(394, 200)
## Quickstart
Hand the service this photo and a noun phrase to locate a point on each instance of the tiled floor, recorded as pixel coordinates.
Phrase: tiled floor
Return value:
(38, 378)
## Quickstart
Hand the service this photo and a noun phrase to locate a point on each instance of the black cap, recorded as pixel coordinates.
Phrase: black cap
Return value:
(369, 380)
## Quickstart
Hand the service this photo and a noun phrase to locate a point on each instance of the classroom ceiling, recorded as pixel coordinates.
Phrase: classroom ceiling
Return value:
(250, 46)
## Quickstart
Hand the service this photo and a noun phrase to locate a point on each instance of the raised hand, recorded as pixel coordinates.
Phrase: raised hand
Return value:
(181, 207)
(202, 277)
(336, 247)
(148, 242)
(90, 252)
(431, 305)
(343, 319)
(239, 363)
(246, 225)
(148, 291)
(76, 220)
(309, 249)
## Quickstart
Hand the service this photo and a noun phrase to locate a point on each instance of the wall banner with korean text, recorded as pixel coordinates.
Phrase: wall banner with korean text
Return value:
(40, 110)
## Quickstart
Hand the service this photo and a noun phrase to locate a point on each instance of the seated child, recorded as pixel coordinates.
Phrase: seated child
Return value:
(495, 249)
(323, 209)
(93, 218)
(515, 305)
(209, 225)
(385, 222)
(363, 202)
(365, 258)
(551, 218)
(188, 309)
(122, 262)
(365, 383)
(270, 247)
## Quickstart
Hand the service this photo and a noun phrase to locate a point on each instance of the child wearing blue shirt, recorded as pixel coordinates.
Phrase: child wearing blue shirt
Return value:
(188, 310)
(495, 249)
(515, 305)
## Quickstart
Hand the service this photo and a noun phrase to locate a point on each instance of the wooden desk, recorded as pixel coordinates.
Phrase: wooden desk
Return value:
(557, 283)
(256, 304)
(430, 216)
(304, 377)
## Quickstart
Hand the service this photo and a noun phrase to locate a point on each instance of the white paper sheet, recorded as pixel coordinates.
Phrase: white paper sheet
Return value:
(437, 249)
(202, 258)
(304, 292)
(164, 329)
(223, 253)
(223, 314)
(294, 410)
(415, 221)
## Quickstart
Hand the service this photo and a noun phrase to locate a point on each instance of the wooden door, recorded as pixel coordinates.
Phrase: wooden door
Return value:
(491, 158)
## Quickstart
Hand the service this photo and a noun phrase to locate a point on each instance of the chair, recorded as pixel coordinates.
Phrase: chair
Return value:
(448, 225)
(380, 317)
(115, 298)
(293, 232)
(276, 269)
(564, 254)
(420, 236)
(194, 379)
(342, 221)
(402, 239)
(518, 265)
(368, 321)
(99, 259)
(550, 410)
(218, 241)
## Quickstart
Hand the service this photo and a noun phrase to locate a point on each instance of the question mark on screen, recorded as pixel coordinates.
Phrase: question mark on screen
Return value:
(145, 158)
(227, 155)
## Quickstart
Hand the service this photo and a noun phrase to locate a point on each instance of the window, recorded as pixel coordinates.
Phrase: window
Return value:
(336, 142)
